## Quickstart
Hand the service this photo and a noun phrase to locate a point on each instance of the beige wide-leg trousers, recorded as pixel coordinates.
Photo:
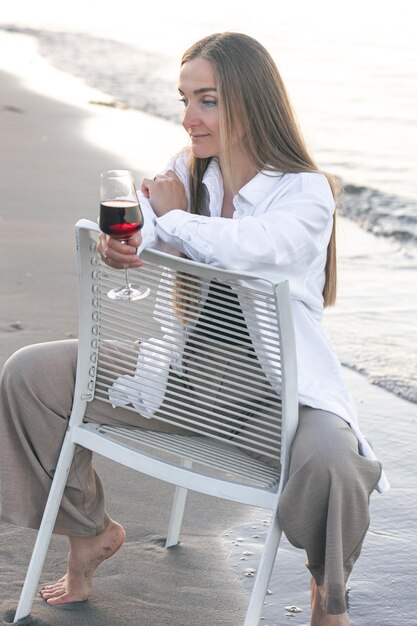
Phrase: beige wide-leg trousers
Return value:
(324, 507)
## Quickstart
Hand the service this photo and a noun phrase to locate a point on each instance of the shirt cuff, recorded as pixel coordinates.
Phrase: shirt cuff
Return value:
(173, 222)
(149, 222)
(181, 230)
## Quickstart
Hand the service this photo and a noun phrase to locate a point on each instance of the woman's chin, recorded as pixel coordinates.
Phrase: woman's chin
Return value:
(201, 153)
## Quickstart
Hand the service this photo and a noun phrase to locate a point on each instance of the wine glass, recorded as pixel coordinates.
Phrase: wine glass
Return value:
(121, 217)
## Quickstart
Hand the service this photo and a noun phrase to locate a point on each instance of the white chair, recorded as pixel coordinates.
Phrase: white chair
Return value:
(238, 456)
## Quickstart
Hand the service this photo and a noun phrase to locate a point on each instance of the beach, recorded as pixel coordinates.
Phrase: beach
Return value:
(52, 154)
(48, 160)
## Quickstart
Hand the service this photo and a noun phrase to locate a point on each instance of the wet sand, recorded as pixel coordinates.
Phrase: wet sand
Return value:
(48, 180)
(382, 585)
(47, 184)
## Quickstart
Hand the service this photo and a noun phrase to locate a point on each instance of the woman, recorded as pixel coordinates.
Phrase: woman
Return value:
(245, 195)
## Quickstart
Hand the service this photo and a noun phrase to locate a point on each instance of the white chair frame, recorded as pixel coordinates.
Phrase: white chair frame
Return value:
(257, 484)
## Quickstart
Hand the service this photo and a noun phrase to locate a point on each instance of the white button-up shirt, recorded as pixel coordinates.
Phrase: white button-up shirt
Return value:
(280, 230)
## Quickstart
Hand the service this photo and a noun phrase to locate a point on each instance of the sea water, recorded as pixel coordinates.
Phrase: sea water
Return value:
(352, 77)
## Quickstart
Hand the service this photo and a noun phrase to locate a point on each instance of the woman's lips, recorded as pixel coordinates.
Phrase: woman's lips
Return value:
(196, 138)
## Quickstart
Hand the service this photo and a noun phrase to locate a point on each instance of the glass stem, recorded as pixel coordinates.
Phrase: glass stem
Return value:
(127, 279)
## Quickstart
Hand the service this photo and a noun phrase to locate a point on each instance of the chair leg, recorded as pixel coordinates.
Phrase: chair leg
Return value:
(177, 512)
(254, 612)
(45, 530)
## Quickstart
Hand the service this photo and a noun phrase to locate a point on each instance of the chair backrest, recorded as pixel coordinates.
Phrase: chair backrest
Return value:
(209, 350)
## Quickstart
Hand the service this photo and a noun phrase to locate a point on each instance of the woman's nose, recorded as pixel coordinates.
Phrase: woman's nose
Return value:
(190, 117)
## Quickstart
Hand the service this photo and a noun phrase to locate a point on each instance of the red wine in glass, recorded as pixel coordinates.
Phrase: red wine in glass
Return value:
(121, 217)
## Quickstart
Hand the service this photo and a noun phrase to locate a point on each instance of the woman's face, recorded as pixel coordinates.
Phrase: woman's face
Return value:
(198, 92)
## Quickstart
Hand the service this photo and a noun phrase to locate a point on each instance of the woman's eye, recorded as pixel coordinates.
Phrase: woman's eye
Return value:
(205, 103)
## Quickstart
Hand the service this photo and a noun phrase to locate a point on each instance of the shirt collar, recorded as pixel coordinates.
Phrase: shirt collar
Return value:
(248, 197)
(258, 187)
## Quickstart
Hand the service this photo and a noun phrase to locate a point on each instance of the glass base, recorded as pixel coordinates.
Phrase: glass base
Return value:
(129, 293)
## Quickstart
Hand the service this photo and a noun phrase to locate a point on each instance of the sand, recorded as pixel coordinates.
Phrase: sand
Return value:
(48, 180)
(46, 186)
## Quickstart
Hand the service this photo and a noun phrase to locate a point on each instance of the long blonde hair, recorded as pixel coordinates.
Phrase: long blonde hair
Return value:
(253, 95)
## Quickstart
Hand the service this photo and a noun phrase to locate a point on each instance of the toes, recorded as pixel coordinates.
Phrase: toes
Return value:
(58, 594)
(52, 591)
(65, 598)
(59, 582)
(58, 588)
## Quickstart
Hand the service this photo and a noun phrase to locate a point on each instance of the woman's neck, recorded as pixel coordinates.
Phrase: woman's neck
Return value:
(242, 172)
(227, 206)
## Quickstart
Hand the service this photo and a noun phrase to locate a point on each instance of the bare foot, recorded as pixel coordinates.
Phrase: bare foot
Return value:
(318, 616)
(86, 554)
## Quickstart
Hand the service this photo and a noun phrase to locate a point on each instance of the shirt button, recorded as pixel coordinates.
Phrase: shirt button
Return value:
(188, 238)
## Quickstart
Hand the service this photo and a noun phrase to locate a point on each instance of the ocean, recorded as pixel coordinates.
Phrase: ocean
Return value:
(352, 77)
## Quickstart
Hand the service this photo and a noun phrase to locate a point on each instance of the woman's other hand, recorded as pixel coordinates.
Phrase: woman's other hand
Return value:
(118, 254)
(165, 192)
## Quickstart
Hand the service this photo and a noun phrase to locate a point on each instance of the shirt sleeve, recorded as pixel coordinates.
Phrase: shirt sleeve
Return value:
(292, 231)
(148, 232)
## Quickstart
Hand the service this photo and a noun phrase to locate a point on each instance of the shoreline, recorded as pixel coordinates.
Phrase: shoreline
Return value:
(106, 126)
(381, 587)
(135, 139)
(49, 180)
(38, 296)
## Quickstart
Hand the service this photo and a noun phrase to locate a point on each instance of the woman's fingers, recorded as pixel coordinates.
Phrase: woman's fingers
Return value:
(119, 254)
(172, 174)
(144, 187)
(101, 244)
(165, 192)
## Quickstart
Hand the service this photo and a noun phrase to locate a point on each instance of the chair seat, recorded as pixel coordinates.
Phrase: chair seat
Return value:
(209, 455)
(135, 348)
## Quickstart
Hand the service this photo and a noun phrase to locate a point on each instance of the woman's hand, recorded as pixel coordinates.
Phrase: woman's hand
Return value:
(165, 192)
(118, 254)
